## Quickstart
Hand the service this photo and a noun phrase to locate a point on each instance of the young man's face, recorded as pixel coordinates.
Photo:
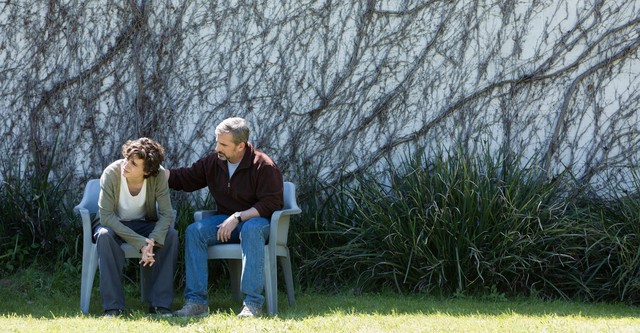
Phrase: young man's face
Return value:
(227, 150)
(133, 168)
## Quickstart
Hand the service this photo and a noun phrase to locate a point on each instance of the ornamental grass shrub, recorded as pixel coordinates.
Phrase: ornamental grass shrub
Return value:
(455, 224)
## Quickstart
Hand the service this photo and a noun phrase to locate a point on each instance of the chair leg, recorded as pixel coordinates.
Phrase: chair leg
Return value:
(235, 275)
(89, 268)
(285, 263)
(270, 284)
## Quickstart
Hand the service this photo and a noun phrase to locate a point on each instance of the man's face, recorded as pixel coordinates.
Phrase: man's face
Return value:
(227, 150)
(133, 168)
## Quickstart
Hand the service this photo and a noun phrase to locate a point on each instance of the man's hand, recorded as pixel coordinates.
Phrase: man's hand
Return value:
(225, 228)
(147, 253)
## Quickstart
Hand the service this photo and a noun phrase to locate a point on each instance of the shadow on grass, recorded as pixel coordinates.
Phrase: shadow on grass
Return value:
(33, 304)
(309, 305)
(36, 294)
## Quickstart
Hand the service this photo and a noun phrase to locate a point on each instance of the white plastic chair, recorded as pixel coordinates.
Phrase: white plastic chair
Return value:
(275, 248)
(87, 206)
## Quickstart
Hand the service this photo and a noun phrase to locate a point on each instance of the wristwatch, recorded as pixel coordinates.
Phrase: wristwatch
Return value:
(238, 216)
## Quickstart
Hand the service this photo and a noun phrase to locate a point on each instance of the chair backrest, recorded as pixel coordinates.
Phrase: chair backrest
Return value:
(280, 231)
(90, 197)
(290, 196)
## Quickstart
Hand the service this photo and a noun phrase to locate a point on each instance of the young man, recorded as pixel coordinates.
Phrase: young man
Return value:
(135, 207)
(247, 187)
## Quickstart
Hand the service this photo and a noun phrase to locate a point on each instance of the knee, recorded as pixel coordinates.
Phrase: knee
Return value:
(253, 232)
(193, 232)
(172, 233)
(172, 237)
(103, 234)
(171, 244)
(105, 239)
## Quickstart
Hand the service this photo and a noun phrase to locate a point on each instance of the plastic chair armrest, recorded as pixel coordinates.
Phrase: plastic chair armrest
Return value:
(201, 214)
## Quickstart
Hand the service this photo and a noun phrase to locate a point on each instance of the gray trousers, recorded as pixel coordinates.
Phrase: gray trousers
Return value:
(159, 277)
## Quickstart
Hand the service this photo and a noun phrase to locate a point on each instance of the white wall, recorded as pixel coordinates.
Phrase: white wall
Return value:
(329, 86)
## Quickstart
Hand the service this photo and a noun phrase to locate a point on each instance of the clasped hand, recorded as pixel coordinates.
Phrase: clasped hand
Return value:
(147, 253)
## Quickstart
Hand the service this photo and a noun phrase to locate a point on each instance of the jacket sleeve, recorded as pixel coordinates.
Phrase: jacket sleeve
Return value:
(270, 190)
(164, 210)
(192, 178)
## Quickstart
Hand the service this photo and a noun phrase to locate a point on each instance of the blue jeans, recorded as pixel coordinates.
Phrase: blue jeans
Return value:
(252, 235)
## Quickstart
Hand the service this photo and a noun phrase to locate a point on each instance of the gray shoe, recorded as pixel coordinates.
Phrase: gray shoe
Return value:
(193, 310)
(250, 312)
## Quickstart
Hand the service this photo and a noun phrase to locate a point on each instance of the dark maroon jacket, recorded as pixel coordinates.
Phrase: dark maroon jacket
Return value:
(257, 182)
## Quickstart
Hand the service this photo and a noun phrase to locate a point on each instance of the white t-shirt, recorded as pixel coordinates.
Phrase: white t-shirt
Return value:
(131, 207)
(232, 168)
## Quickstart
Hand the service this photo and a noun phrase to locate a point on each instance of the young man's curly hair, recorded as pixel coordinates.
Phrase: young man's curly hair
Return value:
(145, 149)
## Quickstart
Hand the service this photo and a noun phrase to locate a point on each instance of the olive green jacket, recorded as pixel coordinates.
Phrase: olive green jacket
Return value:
(157, 191)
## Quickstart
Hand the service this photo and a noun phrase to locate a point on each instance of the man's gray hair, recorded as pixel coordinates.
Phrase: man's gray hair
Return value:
(238, 128)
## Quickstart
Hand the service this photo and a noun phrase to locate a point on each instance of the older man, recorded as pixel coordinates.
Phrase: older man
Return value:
(247, 187)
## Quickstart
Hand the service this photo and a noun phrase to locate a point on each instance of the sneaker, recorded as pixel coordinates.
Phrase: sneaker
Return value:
(113, 313)
(193, 310)
(160, 311)
(250, 311)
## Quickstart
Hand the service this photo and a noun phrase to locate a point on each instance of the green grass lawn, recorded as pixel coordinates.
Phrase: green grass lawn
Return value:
(29, 303)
